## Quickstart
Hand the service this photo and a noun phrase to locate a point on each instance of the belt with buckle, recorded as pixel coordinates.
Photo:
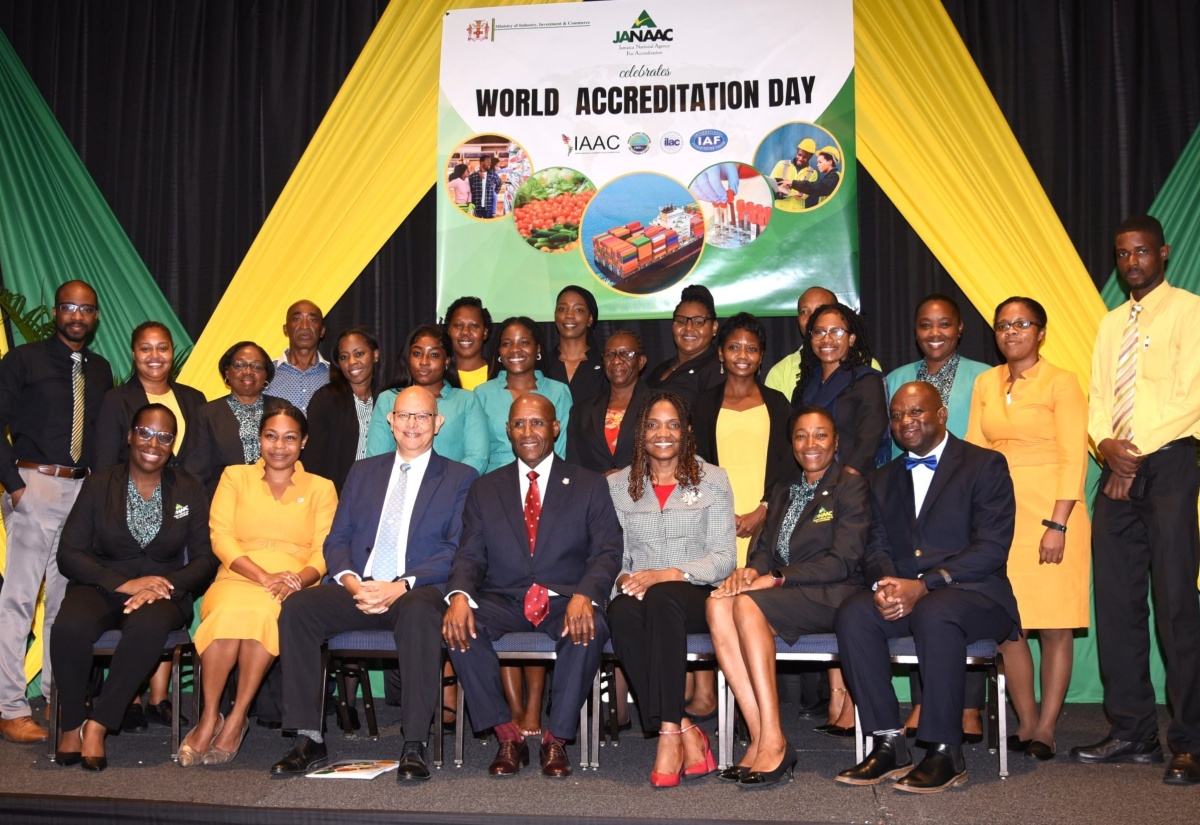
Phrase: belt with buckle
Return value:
(56, 470)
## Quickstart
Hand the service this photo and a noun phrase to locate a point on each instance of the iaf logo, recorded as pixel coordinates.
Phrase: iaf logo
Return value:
(639, 143)
(671, 142)
(709, 140)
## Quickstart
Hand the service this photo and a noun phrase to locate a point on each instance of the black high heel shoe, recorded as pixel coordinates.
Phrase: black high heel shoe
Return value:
(761, 779)
(68, 758)
(733, 773)
(91, 763)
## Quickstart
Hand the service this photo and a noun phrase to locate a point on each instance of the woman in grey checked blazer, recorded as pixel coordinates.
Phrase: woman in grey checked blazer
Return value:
(676, 512)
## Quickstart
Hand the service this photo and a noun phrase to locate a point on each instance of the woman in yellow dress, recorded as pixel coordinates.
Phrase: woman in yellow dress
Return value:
(1036, 415)
(268, 523)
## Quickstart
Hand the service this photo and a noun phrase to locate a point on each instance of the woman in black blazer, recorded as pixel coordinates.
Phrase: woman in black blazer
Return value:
(339, 414)
(136, 551)
(575, 358)
(806, 560)
(153, 361)
(601, 429)
(226, 430)
(695, 367)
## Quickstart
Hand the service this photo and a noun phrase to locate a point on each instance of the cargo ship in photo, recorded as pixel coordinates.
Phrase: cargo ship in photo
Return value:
(632, 257)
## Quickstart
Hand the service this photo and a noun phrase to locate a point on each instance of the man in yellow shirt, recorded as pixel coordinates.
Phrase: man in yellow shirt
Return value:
(797, 170)
(1144, 416)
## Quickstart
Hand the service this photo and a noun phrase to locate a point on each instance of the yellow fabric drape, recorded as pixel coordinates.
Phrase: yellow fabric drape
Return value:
(372, 158)
(931, 134)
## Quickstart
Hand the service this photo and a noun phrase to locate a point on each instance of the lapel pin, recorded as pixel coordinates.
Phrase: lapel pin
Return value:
(824, 492)
(566, 481)
(300, 500)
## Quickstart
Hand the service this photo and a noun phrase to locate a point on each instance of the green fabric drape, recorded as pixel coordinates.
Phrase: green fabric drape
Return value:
(55, 225)
(1178, 208)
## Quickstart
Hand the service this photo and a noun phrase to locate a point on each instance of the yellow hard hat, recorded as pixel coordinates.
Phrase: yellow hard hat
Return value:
(807, 145)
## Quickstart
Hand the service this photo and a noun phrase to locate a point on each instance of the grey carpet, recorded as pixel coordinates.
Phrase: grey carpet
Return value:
(1057, 791)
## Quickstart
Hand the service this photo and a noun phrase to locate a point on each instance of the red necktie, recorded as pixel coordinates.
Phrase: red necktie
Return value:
(537, 600)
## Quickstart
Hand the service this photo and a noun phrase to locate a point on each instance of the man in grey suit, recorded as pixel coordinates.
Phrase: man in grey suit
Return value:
(395, 531)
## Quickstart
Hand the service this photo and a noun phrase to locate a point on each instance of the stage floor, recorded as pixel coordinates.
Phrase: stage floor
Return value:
(141, 771)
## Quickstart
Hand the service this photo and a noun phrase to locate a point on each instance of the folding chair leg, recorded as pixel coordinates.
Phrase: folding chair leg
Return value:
(53, 706)
(364, 681)
(861, 742)
(344, 700)
(176, 655)
(725, 702)
(595, 722)
(1002, 716)
(324, 680)
(459, 725)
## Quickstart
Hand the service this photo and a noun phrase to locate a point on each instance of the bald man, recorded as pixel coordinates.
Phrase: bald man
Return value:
(547, 566)
(301, 370)
(396, 529)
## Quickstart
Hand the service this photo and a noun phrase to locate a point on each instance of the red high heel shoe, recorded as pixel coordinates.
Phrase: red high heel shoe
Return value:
(706, 765)
(667, 780)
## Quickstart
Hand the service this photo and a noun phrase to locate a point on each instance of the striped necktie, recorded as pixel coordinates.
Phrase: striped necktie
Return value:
(1126, 378)
(384, 567)
(77, 415)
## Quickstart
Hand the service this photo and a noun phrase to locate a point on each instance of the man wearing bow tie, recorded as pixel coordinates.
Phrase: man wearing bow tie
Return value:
(541, 547)
(942, 523)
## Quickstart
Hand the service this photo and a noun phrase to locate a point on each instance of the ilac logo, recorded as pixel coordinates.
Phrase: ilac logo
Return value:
(479, 30)
(709, 140)
(643, 30)
(671, 142)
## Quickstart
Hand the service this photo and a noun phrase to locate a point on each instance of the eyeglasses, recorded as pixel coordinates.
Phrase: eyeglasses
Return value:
(836, 333)
(695, 320)
(242, 366)
(71, 309)
(1020, 323)
(623, 354)
(145, 434)
(421, 418)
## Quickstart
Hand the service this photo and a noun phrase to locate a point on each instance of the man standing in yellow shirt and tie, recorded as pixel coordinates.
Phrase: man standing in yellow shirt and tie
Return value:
(1144, 416)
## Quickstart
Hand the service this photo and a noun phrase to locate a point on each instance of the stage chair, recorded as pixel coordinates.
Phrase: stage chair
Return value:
(538, 647)
(178, 645)
(360, 645)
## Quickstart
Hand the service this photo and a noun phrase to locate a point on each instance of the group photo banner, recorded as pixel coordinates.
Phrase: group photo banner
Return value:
(637, 147)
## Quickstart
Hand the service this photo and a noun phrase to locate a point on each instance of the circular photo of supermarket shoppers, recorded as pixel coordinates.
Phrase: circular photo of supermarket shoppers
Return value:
(803, 166)
(483, 174)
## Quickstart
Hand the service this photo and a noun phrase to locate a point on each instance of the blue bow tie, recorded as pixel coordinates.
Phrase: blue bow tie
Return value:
(929, 461)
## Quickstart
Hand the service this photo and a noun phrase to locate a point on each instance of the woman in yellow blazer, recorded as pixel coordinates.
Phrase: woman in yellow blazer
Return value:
(268, 524)
(1036, 415)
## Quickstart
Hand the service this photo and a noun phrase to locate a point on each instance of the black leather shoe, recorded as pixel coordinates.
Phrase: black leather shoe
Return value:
(1183, 770)
(835, 730)
(134, 720)
(943, 767)
(889, 758)
(761, 779)
(1119, 750)
(354, 723)
(972, 738)
(302, 758)
(1040, 750)
(93, 763)
(733, 773)
(1018, 745)
(162, 712)
(412, 763)
(555, 762)
(512, 756)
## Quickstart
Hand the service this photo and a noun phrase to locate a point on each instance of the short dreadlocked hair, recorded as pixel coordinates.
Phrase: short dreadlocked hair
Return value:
(687, 470)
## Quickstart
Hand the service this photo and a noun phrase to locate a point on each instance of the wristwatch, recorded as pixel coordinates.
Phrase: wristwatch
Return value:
(1054, 525)
(777, 578)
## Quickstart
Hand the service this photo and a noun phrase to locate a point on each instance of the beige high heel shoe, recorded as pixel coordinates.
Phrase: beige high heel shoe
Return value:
(189, 757)
(216, 756)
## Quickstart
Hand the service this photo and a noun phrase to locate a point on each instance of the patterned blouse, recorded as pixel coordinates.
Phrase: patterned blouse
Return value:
(943, 379)
(143, 517)
(799, 498)
(249, 418)
(364, 410)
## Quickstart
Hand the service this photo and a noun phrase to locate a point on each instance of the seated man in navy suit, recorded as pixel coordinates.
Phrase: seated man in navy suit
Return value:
(942, 523)
(540, 549)
(395, 531)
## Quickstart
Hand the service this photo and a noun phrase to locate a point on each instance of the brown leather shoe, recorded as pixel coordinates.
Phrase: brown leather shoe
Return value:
(511, 757)
(22, 729)
(555, 762)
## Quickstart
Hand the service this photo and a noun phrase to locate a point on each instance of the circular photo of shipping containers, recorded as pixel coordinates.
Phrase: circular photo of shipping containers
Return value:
(483, 173)
(803, 164)
(736, 203)
(548, 208)
(642, 233)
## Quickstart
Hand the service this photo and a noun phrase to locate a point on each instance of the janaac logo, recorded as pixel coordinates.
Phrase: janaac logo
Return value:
(644, 30)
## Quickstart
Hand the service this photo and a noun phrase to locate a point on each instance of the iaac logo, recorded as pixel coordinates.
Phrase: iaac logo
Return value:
(639, 143)
(479, 30)
(592, 144)
(671, 142)
(644, 30)
(709, 140)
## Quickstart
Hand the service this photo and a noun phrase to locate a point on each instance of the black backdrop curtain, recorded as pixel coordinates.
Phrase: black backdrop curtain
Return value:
(191, 115)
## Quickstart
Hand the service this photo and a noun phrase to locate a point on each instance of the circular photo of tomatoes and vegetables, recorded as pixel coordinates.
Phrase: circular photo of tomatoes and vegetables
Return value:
(548, 208)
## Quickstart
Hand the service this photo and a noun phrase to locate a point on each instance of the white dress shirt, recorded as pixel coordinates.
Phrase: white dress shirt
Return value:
(922, 476)
(416, 473)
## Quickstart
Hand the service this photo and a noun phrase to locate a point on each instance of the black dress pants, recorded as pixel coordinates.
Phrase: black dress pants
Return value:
(1135, 544)
(86, 614)
(650, 639)
(312, 616)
